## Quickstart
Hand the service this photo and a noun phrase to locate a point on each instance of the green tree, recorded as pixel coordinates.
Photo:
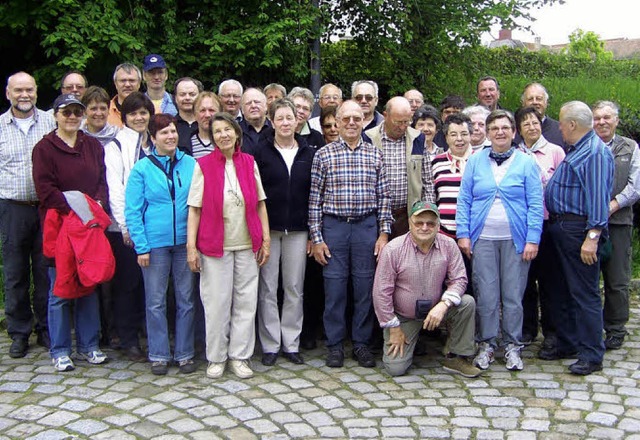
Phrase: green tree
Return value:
(587, 46)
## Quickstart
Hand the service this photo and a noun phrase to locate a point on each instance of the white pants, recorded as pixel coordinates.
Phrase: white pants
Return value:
(229, 292)
(290, 249)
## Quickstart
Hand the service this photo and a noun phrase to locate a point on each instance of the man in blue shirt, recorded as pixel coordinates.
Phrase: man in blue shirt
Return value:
(577, 197)
(155, 74)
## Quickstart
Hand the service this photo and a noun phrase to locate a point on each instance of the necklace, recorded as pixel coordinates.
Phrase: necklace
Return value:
(233, 191)
(291, 147)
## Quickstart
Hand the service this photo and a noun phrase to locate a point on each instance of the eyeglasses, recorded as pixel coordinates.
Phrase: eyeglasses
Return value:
(328, 126)
(126, 81)
(230, 96)
(330, 97)
(77, 112)
(531, 124)
(73, 87)
(504, 128)
(347, 119)
(304, 108)
(421, 224)
(401, 123)
(367, 98)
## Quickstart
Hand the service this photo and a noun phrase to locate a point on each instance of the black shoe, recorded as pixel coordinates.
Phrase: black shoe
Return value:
(18, 348)
(43, 339)
(308, 344)
(269, 359)
(527, 339)
(364, 357)
(135, 354)
(293, 357)
(335, 358)
(160, 368)
(187, 366)
(584, 368)
(553, 354)
(613, 342)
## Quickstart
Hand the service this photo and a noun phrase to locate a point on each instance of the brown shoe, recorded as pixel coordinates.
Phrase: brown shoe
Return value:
(461, 366)
(135, 354)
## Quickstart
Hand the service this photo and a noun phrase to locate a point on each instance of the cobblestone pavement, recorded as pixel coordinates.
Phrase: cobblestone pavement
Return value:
(122, 400)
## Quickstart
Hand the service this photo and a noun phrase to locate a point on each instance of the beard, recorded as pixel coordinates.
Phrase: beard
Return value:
(24, 107)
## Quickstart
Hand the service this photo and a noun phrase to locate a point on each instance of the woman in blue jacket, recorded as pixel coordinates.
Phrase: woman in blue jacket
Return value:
(499, 222)
(156, 215)
(284, 161)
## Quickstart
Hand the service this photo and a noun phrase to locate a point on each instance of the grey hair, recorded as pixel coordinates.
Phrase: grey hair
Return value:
(276, 86)
(579, 112)
(324, 87)
(127, 67)
(229, 82)
(364, 81)
(601, 104)
(544, 89)
(473, 110)
(262, 95)
(302, 92)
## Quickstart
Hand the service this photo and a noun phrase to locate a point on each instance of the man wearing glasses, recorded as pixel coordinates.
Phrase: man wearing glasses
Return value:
(330, 96)
(408, 298)
(349, 224)
(230, 92)
(365, 93)
(406, 161)
(127, 78)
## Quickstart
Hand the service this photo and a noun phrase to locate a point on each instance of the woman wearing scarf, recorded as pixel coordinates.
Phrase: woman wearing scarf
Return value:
(499, 222)
(548, 156)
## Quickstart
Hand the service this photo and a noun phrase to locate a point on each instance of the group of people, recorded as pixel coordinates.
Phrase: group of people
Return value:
(378, 224)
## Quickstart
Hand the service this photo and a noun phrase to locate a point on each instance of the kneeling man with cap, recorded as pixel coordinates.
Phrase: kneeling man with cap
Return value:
(408, 294)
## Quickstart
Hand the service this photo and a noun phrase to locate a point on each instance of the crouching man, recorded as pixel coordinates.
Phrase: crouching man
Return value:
(408, 294)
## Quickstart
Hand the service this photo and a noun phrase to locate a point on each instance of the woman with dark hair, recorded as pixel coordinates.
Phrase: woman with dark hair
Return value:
(548, 156)
(156, 213)
(96, 101)
(65, 161)
(328, 124)
(130, 145)
(227, 242)
(499, 221)
(284, 161)
(426, 120)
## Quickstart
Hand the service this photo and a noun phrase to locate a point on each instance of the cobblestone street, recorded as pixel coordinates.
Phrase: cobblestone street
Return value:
(122, 400)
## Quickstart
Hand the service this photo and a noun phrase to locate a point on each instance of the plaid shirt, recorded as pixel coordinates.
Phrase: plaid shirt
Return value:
(16, 179)
(395, 166)
(348, 183)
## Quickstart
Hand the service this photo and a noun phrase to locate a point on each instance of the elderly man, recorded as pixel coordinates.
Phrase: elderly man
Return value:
(536, 96)
(349, 224)
(626, 191)
(156, 74)
(478, 115)
(230, 93)
(254, 109)
(577, 197)
(415, 98)
(127, 79)
(488, 92)
(73, 82)
(407, 298)
(330, 96)
(274, 91)
(365, 93)
(186, 91)
(21, 127)
(406, 161)
(302, 99)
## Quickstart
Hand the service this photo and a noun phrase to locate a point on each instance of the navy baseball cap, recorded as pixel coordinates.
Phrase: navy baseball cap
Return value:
(153, 61)
(65, 100)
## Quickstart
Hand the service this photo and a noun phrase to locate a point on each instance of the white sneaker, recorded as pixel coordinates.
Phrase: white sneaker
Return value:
(512, 358)
(241, 369)
(94, 357)
(63, 363)
(484, 356)
(215, 370)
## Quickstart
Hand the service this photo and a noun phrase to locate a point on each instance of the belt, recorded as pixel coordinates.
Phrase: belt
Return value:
(554, 218)
(21, 202)
(351, 219)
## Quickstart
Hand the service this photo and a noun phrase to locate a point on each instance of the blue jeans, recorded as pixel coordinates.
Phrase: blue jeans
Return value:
(162, 261)
(86, 315)
(351, 246)
(575, 296)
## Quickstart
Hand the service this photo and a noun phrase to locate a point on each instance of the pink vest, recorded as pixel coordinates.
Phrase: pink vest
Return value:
(210, 240)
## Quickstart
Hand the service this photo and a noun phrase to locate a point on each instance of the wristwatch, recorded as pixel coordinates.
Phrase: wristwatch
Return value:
(447, 302)
(593, 235)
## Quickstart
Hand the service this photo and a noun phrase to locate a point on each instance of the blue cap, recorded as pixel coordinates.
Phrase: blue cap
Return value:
(65, 100)
(153, 61)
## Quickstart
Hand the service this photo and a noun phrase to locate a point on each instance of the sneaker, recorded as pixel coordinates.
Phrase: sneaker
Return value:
(160, 368)
(335, 358)
(613, 342)
(484, 356)
(512, 358)
(241, 369)
(215, 369)
(63, 363)
(94, 357)
(461, 365)
(364, 357)
(187, 366)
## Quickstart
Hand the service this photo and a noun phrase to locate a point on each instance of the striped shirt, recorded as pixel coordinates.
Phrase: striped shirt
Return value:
(406, 274)
(348, 183)
(583, 182)
(16, 176)
(447, 187)
(199, 148)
